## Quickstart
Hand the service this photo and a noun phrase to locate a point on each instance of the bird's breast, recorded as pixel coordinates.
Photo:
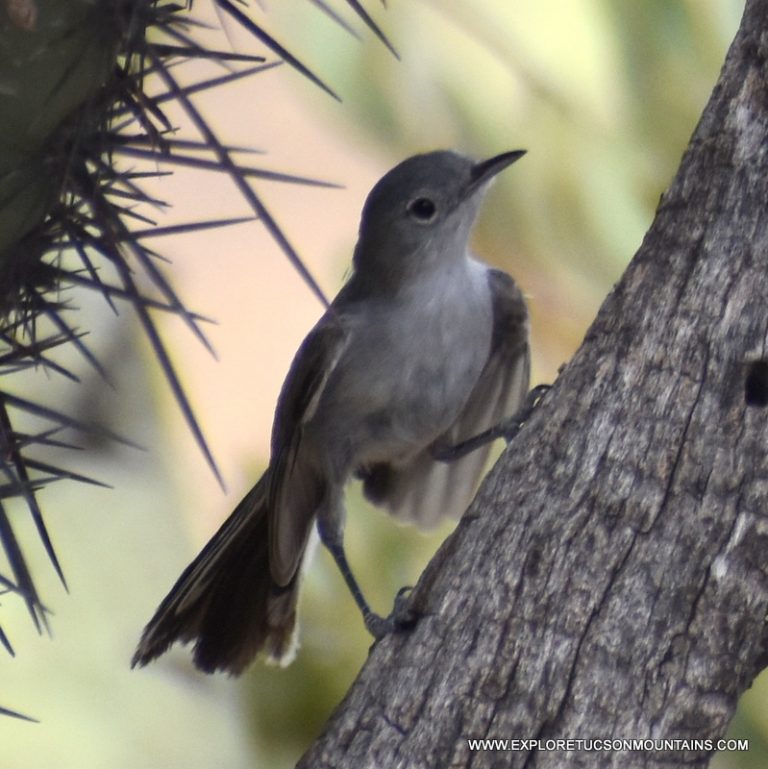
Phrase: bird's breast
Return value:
(409, 369)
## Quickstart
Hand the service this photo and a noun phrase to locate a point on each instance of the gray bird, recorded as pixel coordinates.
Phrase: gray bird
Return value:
(423, 348)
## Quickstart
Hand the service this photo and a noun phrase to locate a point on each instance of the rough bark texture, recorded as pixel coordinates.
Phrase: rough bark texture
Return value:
(610, 579)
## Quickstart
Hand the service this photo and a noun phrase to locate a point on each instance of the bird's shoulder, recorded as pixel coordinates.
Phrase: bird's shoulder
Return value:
(315, 359)
(510, 314)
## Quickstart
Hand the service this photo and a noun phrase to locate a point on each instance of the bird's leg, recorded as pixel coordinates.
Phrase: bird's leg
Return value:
(506, 429)
(375, 624)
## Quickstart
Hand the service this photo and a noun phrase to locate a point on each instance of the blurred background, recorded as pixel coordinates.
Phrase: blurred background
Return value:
(603, 94)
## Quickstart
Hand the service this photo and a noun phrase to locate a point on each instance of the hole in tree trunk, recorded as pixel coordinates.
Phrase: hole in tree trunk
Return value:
(756, 384)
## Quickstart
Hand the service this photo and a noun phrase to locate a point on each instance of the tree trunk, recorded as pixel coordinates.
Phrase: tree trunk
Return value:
(609, 581)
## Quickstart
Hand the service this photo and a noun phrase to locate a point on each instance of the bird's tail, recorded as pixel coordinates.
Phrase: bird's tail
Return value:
(226, 601)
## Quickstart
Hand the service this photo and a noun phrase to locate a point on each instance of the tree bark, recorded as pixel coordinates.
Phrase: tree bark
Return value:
(609, 580)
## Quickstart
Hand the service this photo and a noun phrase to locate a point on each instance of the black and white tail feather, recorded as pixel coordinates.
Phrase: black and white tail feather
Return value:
(226, 602)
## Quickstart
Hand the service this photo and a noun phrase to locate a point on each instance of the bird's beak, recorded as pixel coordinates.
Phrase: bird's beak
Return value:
(485, 170)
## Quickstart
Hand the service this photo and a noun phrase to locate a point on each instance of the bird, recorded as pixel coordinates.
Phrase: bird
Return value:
(423, 347)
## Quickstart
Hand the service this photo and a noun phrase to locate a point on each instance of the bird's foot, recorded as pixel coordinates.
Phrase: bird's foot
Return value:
(402, 617)
(507, 429)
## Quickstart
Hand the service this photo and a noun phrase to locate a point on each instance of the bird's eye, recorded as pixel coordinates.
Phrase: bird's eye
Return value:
(423, 210)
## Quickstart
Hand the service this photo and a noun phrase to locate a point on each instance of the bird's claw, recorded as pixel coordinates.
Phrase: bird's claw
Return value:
(402, 616)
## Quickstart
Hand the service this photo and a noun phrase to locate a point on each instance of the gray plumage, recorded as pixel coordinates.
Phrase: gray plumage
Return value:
(423, 348)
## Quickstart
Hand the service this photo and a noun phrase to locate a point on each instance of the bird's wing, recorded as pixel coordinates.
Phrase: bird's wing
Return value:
(425, 491)
(297, 486)
(225, 600)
